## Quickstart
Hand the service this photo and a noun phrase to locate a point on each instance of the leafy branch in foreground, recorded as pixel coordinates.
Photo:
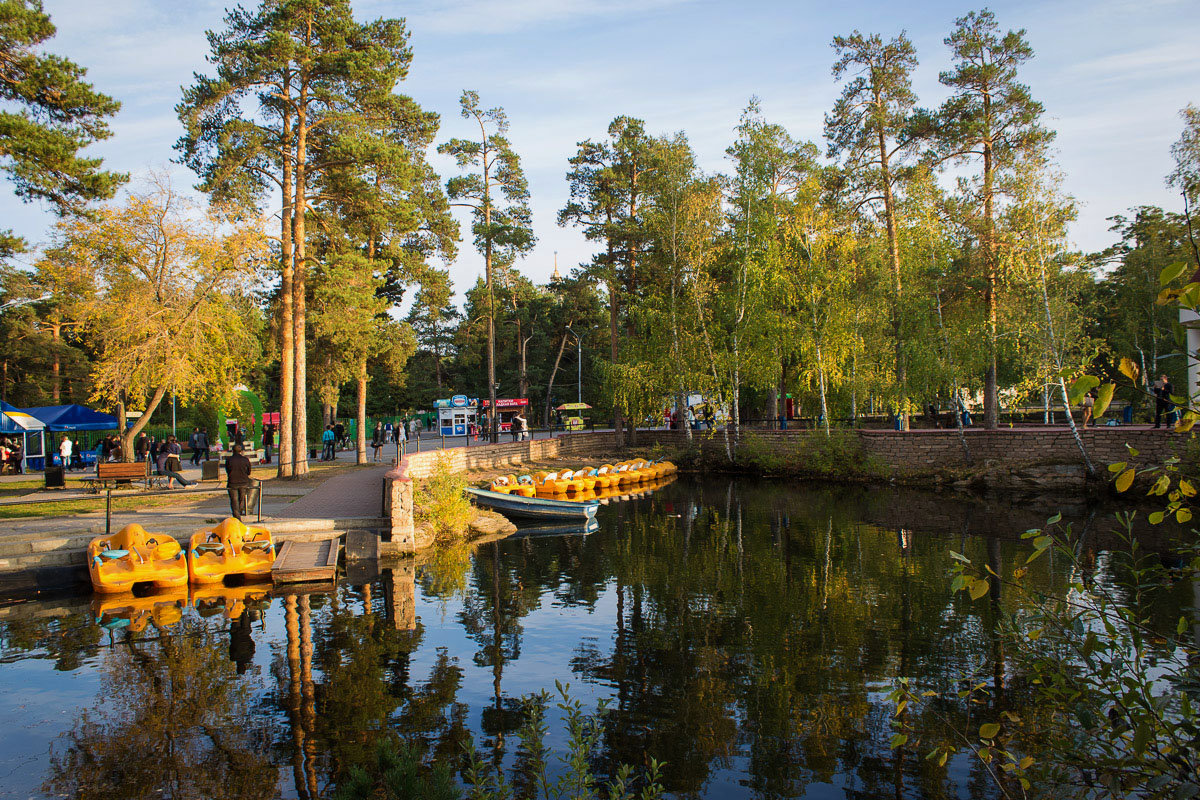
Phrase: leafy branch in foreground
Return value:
(1112, 691)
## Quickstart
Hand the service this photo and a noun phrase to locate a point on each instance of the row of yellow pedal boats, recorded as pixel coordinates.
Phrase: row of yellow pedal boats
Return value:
(133, 557)
(586, 482)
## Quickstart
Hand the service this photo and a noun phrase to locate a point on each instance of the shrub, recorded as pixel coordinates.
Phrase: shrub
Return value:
(442, 502)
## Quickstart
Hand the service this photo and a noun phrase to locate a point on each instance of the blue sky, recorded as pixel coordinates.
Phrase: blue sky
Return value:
(1112, 75)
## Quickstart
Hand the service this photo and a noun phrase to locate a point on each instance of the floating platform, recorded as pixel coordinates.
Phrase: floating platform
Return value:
(302, 562)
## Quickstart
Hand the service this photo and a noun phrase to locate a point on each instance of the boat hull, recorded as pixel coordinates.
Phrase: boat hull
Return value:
(532, 507)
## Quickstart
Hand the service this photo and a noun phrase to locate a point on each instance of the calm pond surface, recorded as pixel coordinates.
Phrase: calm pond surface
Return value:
(746, 633)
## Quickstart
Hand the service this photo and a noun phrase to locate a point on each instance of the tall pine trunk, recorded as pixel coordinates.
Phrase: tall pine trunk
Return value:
(361, 437)
(991, 392)
(287, 354)
(299, 344)
(889, 213)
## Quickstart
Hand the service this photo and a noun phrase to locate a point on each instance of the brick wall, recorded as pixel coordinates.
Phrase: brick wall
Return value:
(927, 450)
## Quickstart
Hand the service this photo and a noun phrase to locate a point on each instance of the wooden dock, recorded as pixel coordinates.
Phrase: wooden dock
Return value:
(301, 562)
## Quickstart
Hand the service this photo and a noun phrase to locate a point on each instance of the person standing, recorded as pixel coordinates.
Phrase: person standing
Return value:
(339, 436)
(327, 443)
(377, 442)
(64, 451)
(238, 481)
(414, 428)
(522, 425)
(1162, 399)
(389, 434)
(193, 445)
(268, 442)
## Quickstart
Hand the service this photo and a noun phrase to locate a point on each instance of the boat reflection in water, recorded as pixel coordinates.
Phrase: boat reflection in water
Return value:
(163, 607)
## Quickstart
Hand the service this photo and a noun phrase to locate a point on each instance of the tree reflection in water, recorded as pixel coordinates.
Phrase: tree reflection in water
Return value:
(172, 720)
(746, 636)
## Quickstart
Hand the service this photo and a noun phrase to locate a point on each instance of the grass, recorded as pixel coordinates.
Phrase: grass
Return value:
(71, 508)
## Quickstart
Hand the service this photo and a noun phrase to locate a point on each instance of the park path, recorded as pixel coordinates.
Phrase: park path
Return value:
(354, 493)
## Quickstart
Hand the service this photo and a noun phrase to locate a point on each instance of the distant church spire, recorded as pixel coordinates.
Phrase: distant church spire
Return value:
(556, 276)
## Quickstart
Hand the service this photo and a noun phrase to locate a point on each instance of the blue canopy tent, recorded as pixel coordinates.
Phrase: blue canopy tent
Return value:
(73, 418)
(14, 421)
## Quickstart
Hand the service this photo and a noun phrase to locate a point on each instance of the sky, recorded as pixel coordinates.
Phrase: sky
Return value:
(1112, 74)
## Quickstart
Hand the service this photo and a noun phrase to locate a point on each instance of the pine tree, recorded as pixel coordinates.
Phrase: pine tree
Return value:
(498, 196)
(990, 117)
(868, 128)
(289, 75)
(54, 114)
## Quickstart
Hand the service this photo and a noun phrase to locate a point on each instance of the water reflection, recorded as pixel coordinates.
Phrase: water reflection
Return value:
(745, 634)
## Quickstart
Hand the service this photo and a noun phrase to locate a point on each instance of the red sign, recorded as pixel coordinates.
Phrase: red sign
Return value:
(519, 402)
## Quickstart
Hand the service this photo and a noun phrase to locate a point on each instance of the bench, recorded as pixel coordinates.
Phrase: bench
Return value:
(118, 471)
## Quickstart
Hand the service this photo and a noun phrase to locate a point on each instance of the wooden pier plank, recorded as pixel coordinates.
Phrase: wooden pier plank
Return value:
(300, 562)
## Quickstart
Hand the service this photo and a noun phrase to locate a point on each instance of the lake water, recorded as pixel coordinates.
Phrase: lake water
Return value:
(745, 633)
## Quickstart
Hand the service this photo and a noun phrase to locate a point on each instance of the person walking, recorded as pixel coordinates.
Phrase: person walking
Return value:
(238, 481)
(202, 443)
(194, 446)
(327, 443)
(414, 428)
(389, 434)
(1162, 399)
(339, 437)
(268, 442)
(64, 451)
(1089, 403)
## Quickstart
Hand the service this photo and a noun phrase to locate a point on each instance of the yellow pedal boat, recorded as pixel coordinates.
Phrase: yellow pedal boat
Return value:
(231, 548)
(131, 556)
(164, 608)
(510, 484)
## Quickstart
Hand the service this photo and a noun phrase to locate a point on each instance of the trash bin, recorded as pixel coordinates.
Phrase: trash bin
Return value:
(210, 470)
(1127, 415)
(54, 478)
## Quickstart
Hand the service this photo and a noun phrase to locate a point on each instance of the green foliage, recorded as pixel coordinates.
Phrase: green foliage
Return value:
(397, 774)
(52, 114)
(441, 501)
(1113, 690)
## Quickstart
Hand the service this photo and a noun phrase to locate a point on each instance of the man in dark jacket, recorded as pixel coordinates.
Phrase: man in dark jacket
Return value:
(268, 442)
(238, 481)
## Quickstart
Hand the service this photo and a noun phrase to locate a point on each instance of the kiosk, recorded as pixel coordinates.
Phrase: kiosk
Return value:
(456, 414)
(507, 409)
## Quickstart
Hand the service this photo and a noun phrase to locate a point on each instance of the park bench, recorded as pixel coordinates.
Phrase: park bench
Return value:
(118, 471)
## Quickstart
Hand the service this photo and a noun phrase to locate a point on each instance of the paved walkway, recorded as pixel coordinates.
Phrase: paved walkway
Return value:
(356, 493)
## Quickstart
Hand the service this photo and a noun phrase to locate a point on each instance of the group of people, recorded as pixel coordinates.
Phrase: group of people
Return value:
(694, 419)
(11, 455)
